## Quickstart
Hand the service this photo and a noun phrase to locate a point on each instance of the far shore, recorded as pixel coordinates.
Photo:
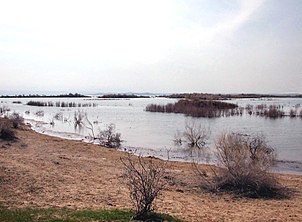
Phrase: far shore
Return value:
(202, 96)
(40, 171)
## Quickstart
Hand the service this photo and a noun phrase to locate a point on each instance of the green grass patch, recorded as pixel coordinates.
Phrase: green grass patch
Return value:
(67, 215)
(103, 215)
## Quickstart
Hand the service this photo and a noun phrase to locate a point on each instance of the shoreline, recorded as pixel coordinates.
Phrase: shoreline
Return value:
(285, 168)
(41, 171)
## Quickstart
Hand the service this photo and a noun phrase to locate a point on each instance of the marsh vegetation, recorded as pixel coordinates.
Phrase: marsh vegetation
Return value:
(195, 108)
(60, 104)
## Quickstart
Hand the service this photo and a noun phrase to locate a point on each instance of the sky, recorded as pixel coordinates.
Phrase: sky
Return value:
(171, 46)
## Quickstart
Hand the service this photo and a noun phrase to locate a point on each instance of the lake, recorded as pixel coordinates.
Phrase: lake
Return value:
(150, 133)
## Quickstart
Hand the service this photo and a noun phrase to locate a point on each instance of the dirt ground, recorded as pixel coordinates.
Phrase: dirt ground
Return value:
(40, 171)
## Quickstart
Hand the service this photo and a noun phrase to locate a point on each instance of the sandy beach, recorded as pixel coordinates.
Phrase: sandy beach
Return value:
(40, 171)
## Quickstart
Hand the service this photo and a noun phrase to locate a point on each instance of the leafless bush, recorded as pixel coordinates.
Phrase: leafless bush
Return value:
(6, 131)
(193, 141)
(145, 180)
(78, 118)
(246, 163)
(110, 138)
(16, 120)
(195, 135)
(178, 140)
(40, 113)
(58, 116)
(4, 110)
(89, 126)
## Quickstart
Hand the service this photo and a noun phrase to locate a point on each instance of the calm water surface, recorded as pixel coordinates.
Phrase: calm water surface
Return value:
(153, 133)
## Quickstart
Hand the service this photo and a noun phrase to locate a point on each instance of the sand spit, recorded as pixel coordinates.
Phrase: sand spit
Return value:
(41, 171)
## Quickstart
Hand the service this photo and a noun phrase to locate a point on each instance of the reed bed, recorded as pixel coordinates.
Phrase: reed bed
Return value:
(197, 108)
(60, 104)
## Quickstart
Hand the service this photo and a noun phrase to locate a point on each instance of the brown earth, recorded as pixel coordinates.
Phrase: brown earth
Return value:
(40, 171)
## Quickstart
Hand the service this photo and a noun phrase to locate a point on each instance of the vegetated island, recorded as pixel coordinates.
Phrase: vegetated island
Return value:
(209, 96)
(69, 95)
(195, 108)
(210, 106)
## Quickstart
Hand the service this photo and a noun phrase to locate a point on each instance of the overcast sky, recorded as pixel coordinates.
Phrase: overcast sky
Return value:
(219, 46)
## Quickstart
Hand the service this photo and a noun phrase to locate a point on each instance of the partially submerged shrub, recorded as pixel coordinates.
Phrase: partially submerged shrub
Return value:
(58, 116)
(145, 180)
(193, 140)
(40, 113)
(110, 138)
(4, 110)
(195, 135)
(79, 118)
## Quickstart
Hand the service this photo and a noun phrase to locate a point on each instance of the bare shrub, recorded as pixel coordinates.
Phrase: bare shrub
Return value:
(78, 118)
(178, 140)
(195, 135)
(193, 141)
(110, 138)
(6, 131)
(16, 120)
(40, 113)
(246, 162)
(90, 126)
(4, 110)
(58, 116)
(145, 180)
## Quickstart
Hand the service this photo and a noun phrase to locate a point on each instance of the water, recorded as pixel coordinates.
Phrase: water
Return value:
(153, 133)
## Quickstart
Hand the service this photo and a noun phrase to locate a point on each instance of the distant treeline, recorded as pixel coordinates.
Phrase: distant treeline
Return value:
(207, 96)
(122, 96)
(195, 108)
(70, 95)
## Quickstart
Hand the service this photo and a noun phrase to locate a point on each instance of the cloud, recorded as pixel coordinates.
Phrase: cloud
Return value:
(232, 21)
